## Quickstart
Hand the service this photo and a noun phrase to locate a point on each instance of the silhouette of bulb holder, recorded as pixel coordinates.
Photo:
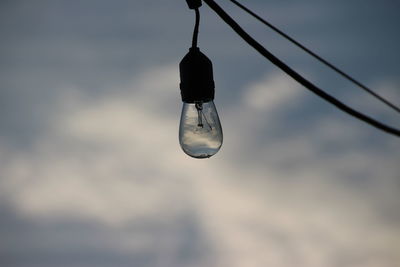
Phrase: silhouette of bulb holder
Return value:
(200, 132)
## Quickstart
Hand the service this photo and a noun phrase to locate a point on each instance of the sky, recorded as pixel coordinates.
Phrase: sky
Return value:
(91, 172)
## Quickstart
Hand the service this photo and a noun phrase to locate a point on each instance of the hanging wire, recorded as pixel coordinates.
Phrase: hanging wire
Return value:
(264, 52)
(196, 28)
(323, 61)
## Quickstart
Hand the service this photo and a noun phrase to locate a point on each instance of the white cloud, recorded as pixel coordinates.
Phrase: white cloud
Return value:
(116, 160)
(271, 92)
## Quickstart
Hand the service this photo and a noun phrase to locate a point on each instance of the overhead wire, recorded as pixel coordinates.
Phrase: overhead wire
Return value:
(310, 86)
(319, 58)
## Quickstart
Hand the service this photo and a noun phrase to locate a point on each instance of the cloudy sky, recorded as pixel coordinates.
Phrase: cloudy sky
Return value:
(91, 172)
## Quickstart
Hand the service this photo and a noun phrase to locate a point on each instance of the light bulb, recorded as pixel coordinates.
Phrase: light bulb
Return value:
(200, 132)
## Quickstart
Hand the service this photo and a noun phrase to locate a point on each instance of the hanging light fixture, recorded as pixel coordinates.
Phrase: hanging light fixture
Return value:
(200, 131)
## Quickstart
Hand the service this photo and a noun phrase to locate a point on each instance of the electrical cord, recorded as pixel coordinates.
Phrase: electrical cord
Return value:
(325, 62)
(196, 28)
(264, 52)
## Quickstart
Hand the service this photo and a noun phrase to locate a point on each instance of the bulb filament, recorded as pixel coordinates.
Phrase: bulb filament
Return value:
(200, 115)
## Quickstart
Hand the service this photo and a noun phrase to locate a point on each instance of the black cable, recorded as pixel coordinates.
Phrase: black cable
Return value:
(337, 70)
(246, 37)
(196, 28)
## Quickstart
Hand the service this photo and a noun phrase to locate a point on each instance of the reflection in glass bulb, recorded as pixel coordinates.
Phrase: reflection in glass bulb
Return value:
(200, 132)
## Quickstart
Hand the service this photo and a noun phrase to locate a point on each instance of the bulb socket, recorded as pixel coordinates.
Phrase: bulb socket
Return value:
(196, 73)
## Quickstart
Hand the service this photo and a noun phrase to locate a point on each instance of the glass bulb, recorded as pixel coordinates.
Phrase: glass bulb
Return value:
(200, 132)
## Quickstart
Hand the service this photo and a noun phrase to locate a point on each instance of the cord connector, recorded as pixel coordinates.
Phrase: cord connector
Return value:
(193, 4)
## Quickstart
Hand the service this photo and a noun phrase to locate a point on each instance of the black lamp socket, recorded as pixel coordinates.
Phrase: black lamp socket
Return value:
(196, 73)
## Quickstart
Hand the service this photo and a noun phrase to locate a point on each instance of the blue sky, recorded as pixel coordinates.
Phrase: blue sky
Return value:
(91, 172)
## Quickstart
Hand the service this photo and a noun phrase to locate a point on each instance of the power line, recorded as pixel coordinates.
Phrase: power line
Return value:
(325, 62)
(264, 52)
